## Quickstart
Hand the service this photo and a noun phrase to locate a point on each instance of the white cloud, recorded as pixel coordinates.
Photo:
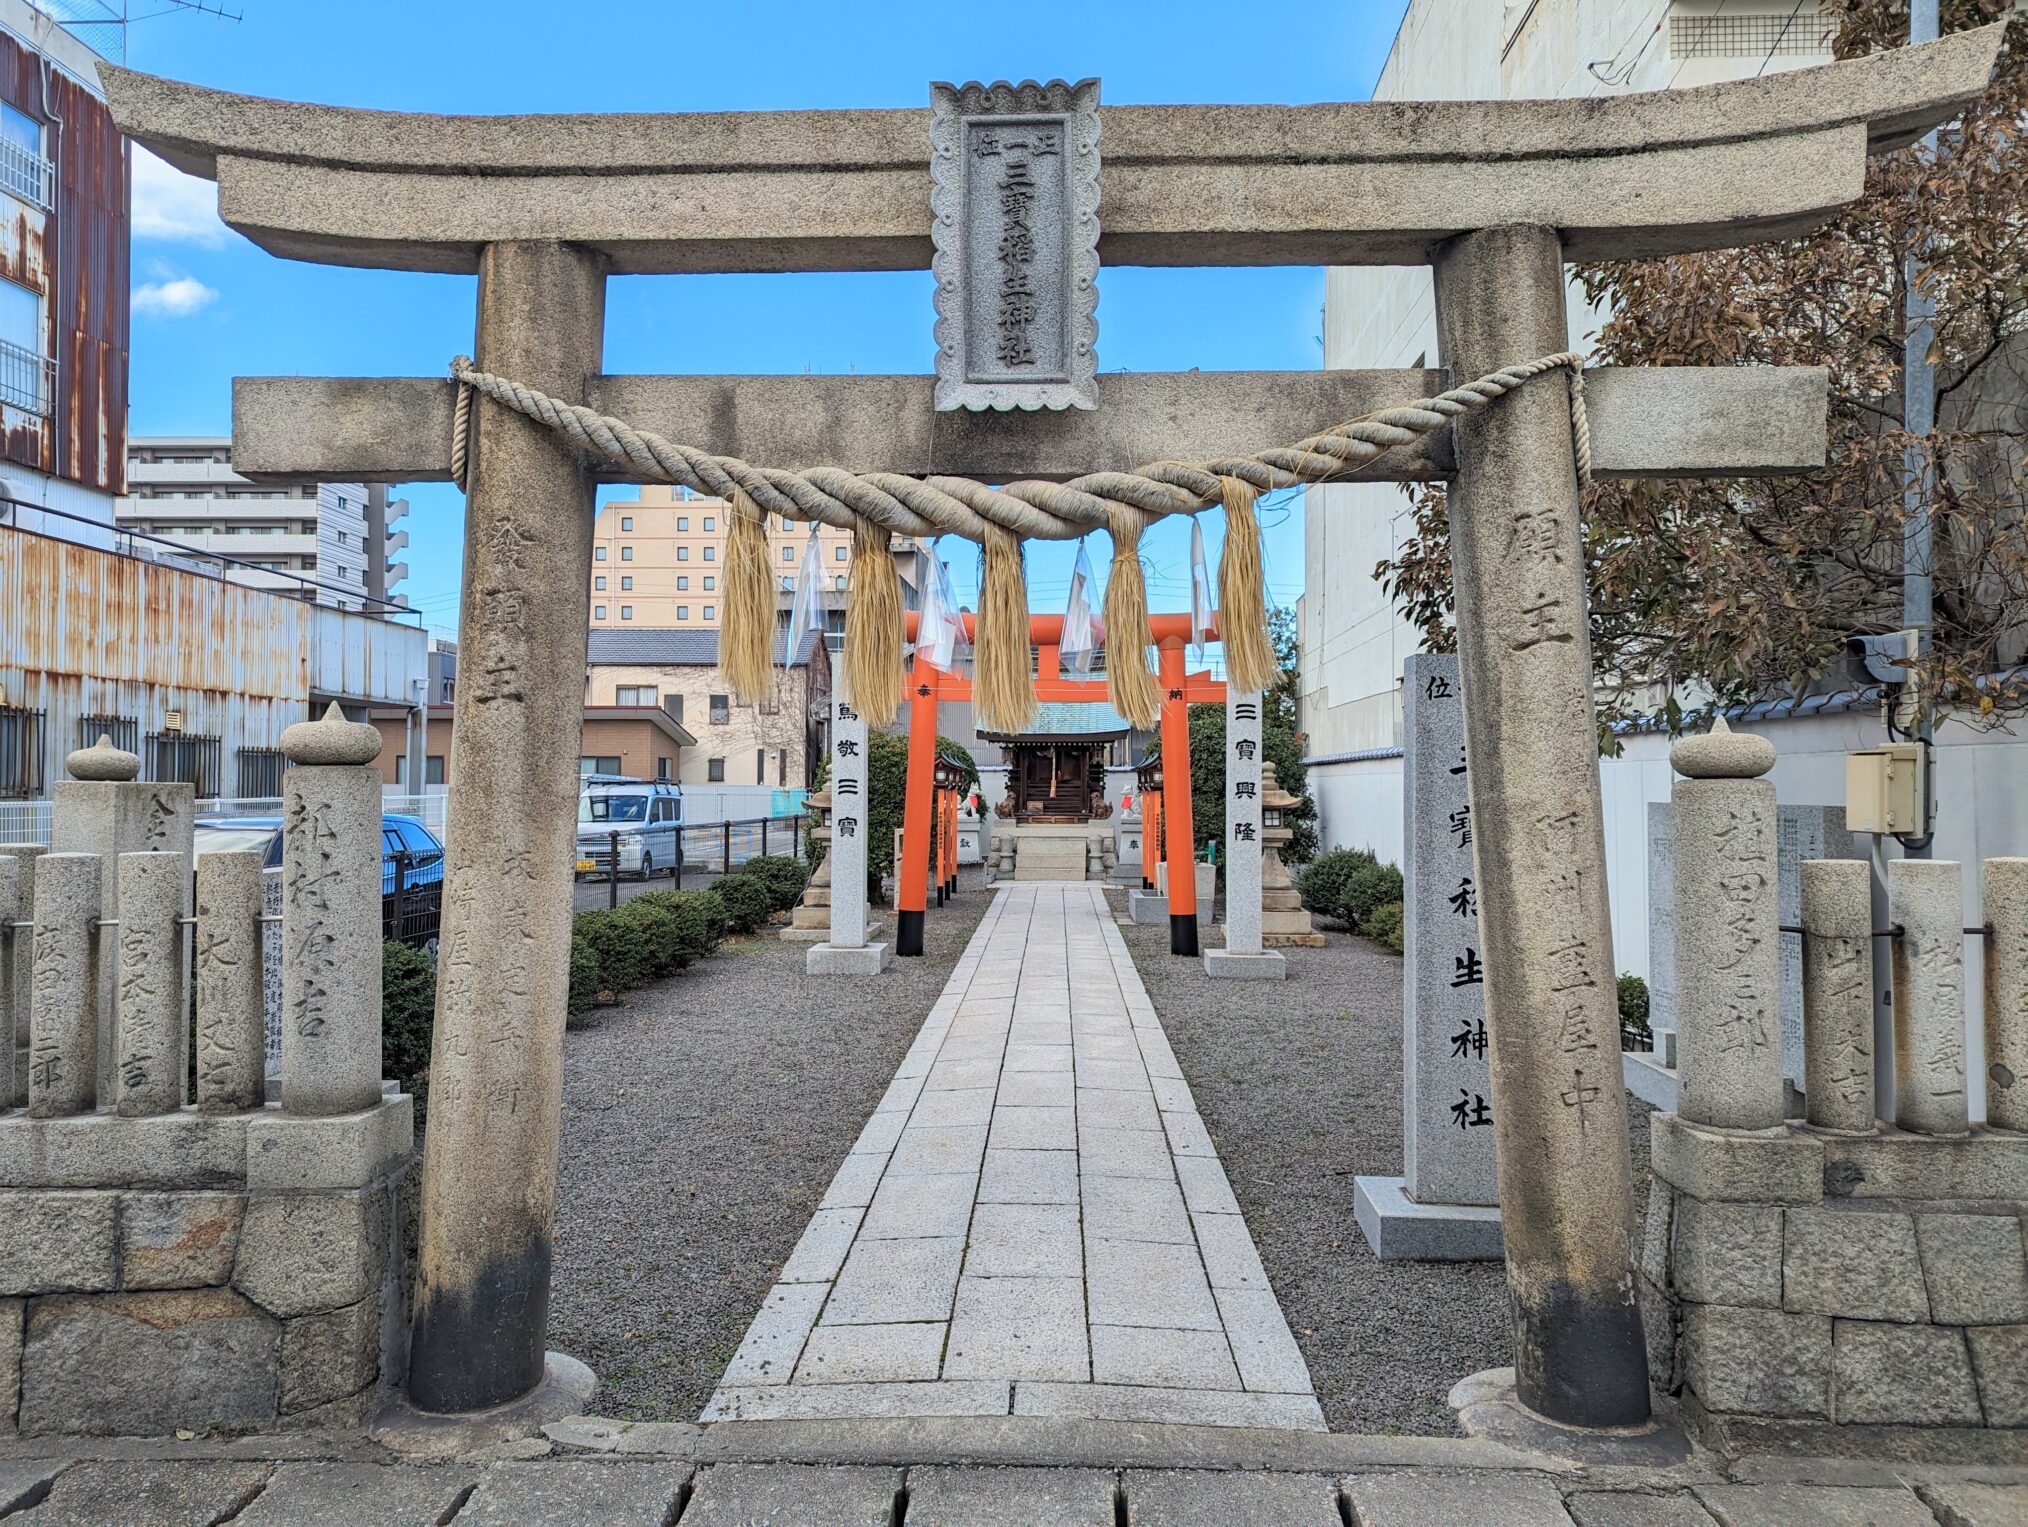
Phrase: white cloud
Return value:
(172, 206)
(173, 299)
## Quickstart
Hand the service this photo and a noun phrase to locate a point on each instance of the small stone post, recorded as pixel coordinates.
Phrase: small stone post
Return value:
(63, 1026)
(1284, 920)
(2006, 897)
(104, 809)
(1538, 829)
(1243, 958)
(152, 1006)
(847, 952)
(331, 896)
(1728, 920)
(14, 907)
(810, 918)
(1838, 994)
(231, 995)
(1925, 907)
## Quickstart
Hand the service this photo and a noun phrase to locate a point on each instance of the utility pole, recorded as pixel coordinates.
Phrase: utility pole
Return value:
(1918, 382)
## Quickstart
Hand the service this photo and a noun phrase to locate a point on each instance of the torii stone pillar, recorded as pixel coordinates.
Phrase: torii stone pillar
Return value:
(1559, 1109)
(489, 1162)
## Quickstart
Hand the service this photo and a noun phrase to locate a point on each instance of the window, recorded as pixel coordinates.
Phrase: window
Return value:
(598, 612)
(710, 523)
(721, 710)
(715, 771)
(182, 757)
(841, 553)
(599, 583)
(662, 772)
(683, 585)
(711, 553)
(673, 704)
(839, 583)
(626, 522)
(21, 739)
(683, 612)
(433, 769)
(788, 525)
(682, 522)
(125, 731)
(634, 694)
(26, 373)
(604, 763)
(626, 584)
(598, 554)
(626, 553)
(782, 766)
(710, 583)
(711, 612)
(788, 553)
(626, 612)
(760, 766)
(23, 170)
(682, 554)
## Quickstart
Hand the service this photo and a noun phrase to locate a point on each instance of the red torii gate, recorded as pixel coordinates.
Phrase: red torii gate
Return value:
(928, 687)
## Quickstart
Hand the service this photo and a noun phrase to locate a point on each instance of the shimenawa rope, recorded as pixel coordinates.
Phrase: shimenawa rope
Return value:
(1123, 503)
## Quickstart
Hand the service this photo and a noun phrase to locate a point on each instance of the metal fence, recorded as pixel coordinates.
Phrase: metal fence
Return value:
(710, 848)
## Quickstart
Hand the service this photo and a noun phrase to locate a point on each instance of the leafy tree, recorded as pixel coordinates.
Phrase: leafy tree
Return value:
(1281, 745)
(1749, 589)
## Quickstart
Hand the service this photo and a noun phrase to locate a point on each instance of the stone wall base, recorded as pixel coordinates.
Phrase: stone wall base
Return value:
(267, 1291)
(1840, 1294)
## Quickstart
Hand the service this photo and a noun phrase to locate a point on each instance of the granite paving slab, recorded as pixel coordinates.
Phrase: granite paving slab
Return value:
(1034, 1218)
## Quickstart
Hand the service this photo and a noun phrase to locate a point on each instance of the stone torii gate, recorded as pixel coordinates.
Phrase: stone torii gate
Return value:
(1495, 196)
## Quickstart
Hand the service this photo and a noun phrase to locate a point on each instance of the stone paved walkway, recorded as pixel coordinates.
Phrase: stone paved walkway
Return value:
(1034, 1221)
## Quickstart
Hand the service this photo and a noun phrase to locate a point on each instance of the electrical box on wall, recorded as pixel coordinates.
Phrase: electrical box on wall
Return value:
(1883, 790)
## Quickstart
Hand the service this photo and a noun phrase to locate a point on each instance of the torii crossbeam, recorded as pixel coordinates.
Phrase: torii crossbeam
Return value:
(1495, 196)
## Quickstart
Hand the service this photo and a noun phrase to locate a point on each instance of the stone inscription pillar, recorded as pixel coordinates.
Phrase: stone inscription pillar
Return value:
(1838, 994)
(1559, 1110)
(2006, 897)
(231, 997)
(1925, 904)
(152, 1060)
(496, 1072)
(1244, 956)
(63, 1022)
(15, 906)
(847, 952)
(1728, 917)
(331, 898)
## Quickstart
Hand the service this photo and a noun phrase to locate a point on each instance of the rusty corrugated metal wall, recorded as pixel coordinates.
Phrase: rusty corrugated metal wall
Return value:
(85, 632)
(78, 258)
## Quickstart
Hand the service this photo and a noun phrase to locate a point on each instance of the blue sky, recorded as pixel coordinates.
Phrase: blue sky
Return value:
(210, 306)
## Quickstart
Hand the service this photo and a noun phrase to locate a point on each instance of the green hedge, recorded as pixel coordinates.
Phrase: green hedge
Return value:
(1321, 882)
(784, 877)
(408, 1010)
(1384, 925)
(1367, 889)
(748, 901)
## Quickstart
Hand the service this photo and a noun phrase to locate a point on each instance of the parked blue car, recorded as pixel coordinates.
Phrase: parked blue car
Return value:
(411, 868)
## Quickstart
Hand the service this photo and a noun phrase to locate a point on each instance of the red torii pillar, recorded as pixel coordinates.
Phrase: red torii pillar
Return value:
(1178, 834)
(911, 876)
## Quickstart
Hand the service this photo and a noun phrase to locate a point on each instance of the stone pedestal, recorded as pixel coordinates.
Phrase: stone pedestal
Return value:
(1825, 1294)
(1206, 877)
(1238, 965)
(839, 960)
(1149, 908)
(1444, 1205)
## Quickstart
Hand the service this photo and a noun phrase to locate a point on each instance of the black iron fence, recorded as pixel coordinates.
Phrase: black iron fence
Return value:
(124, 732)
(412, 898)
(183, 757)
(21, 768)
(704, 848)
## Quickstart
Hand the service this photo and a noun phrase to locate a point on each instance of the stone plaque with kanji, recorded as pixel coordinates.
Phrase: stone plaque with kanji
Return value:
(1015, 227)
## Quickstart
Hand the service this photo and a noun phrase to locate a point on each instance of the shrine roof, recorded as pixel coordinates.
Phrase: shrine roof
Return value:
(1063, 721)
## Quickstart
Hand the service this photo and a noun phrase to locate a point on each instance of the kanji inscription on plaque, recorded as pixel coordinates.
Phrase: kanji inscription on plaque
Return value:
(1015, 227)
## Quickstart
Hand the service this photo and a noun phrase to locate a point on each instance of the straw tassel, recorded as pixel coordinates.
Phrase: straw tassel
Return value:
(1003, 684)
(873, 625)
(1129, 684)
(1242, 593)
(746, 636)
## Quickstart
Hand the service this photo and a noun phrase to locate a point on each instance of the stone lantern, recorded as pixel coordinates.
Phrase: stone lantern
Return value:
(1284, 920)
(810, 921)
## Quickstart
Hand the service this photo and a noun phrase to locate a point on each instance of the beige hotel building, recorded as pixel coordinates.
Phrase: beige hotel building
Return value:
(658, 561)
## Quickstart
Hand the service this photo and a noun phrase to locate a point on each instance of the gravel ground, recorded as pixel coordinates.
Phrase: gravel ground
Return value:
(702, 1121)
(1302, 1092)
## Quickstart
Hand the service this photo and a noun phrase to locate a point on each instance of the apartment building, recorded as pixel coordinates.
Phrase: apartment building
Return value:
(331, 542)
(658, 562)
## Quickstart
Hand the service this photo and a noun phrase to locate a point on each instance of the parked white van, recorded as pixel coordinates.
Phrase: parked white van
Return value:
(647, 815)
